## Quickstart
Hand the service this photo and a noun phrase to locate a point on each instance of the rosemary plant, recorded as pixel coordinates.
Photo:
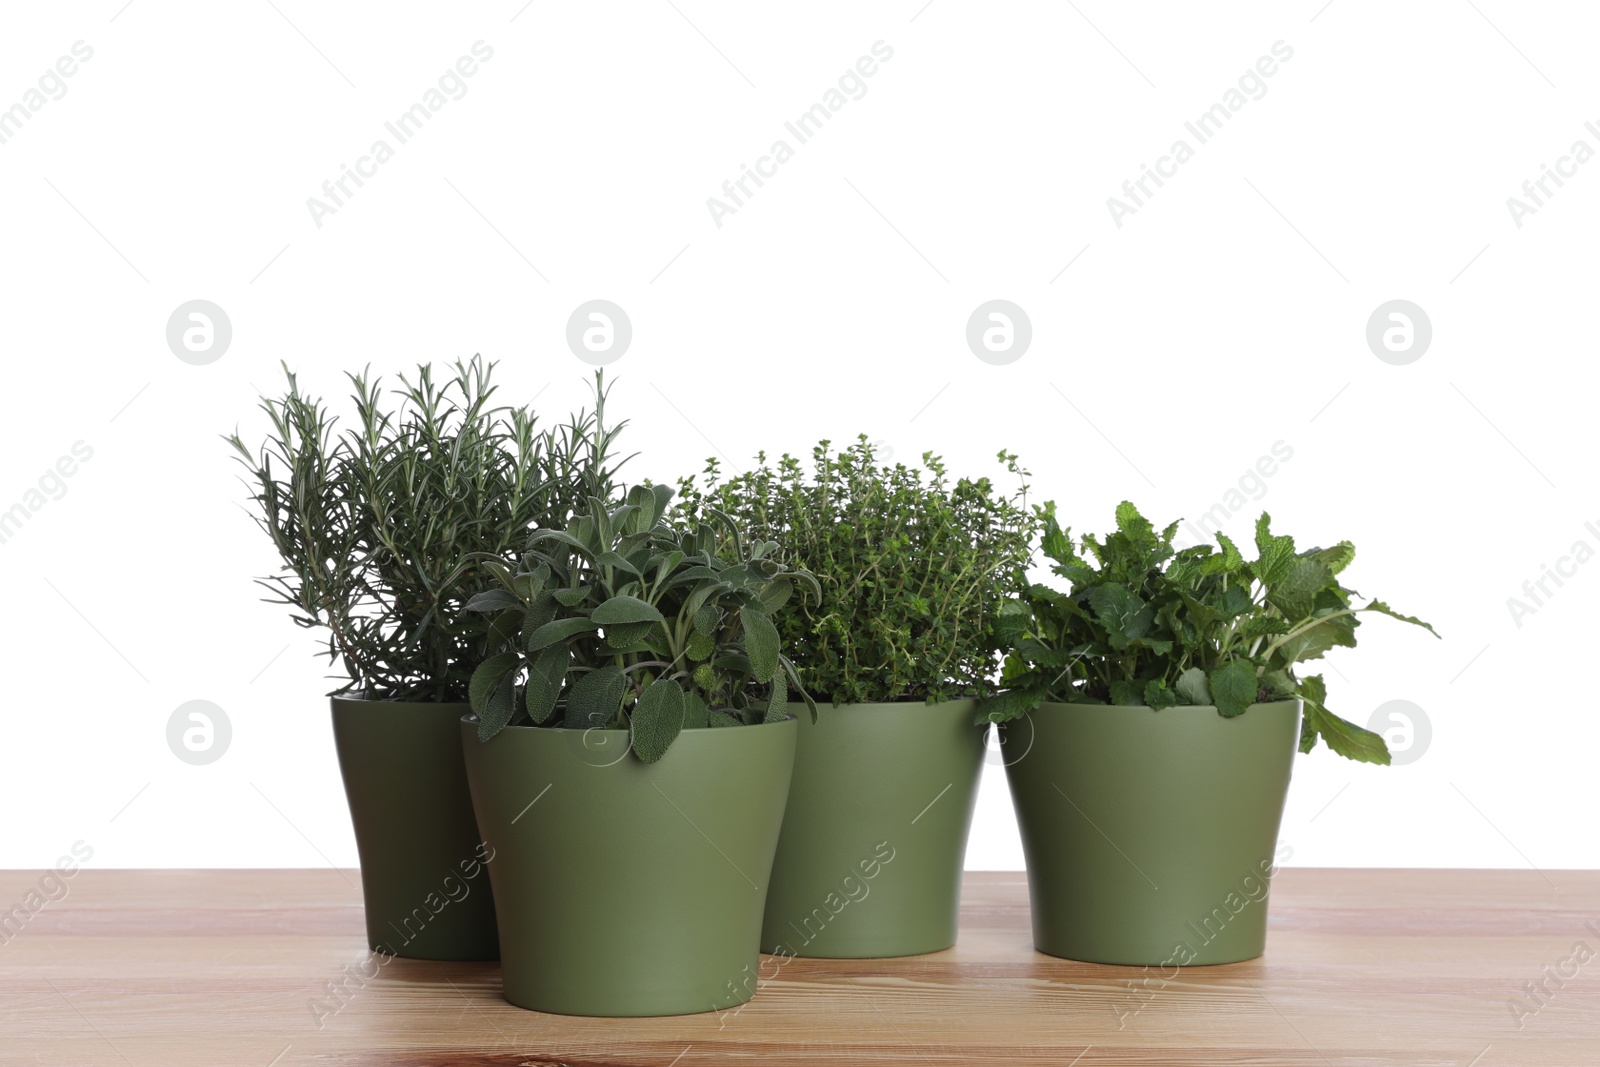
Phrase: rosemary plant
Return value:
(379, 525)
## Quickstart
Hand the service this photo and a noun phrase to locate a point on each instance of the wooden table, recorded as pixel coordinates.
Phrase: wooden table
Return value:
(221, 969)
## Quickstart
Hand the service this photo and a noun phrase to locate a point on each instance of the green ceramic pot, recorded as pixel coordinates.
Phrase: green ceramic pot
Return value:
(627, 888)
(1150, 835)
(869, 861)
(423, 881)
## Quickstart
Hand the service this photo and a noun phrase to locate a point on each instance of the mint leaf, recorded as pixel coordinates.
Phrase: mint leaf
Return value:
(1233, 687)
(1296, 591)
(1384, 609)
(1126, 693)
(1348, 739)
(1192, 687)
(1229, 561)
(1122, 612)
(1331, 632)
(1308, 734)
(1276, 553)
(1337, 558)
(1158, 696)
(1135, 525)
(1012, 704)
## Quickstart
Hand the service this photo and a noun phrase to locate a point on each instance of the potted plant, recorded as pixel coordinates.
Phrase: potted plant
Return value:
(913, 569)
(1151, 718)
(629, 760)
(377, 526)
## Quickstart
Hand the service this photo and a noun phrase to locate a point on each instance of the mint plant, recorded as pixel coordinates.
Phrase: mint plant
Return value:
(378, 525)
(913, 568)
(1143, 624)
(625, 620)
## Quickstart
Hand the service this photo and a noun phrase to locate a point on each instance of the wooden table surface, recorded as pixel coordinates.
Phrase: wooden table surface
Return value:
(165, 968)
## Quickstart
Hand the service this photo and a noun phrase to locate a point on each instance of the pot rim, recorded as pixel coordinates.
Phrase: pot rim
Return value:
(350, 699)
(1291, 702)
(472, 717)
(823, 704)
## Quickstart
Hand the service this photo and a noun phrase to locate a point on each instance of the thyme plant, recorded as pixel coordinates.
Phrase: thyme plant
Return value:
(913, 567)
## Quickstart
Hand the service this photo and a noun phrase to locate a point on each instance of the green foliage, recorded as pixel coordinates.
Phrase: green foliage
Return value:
(912, 568)
(627, 620)
(379, 525)
(1145, 624)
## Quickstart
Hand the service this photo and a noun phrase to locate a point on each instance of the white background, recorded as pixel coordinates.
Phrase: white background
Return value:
(1227, 314)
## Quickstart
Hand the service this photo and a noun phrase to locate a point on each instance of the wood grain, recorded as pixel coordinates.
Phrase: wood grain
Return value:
(1366, 967)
